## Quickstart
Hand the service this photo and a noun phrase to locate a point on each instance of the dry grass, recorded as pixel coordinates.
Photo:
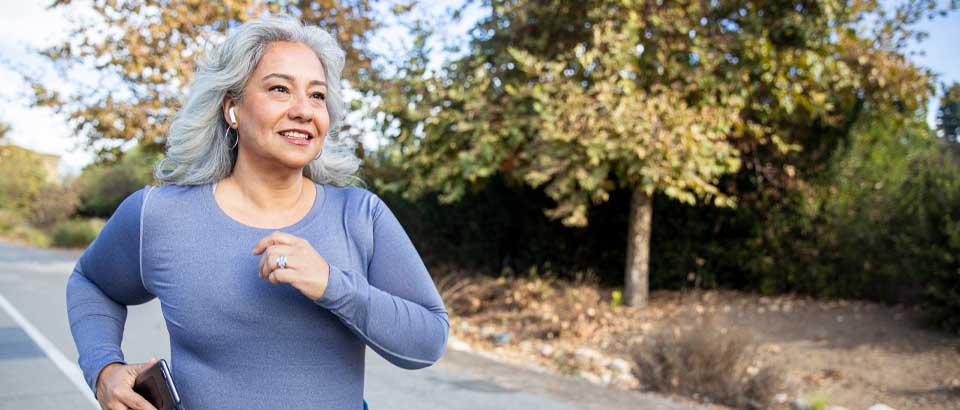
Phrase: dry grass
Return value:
(707, 363)
(543, 308)
(858, 353)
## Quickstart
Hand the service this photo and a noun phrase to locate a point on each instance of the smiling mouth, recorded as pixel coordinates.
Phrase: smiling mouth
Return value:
(296, 135)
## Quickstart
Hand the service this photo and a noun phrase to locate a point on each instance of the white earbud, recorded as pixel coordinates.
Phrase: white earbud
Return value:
(233, 117)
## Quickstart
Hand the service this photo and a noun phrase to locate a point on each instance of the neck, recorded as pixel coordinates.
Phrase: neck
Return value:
(273, 190)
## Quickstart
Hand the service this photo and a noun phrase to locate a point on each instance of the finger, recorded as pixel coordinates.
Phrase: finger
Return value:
(140, 368)
(113, 405)
(262, 266)
(281, 276)
(271, 264)
(276, 238)
(135, 401)
(116, 403)
(269, 260)
(263, 261)
(130, 398)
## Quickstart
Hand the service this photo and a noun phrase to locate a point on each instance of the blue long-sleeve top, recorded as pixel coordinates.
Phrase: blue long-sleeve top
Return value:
(237, 341)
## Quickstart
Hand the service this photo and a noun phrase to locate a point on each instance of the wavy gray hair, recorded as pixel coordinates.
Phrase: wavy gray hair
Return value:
(196, 151)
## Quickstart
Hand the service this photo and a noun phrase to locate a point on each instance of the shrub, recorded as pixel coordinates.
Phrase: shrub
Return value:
(21, 176)
(51, 205)
(8, 221)
(30, 235)
(708, 364)
(502, 227)
(878, 223)
(101, 187)
(942, 301)
(77, 233)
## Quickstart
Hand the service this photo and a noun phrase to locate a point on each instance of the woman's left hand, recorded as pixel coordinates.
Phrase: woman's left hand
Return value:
(305, 269)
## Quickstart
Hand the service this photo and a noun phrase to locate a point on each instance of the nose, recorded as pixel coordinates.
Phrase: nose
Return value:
(300, 109)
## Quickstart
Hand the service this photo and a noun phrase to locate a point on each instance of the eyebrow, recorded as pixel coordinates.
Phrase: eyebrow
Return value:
(290, 79)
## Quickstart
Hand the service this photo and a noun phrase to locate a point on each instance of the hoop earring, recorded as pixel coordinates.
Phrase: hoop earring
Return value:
(235, 141)
(318, 155)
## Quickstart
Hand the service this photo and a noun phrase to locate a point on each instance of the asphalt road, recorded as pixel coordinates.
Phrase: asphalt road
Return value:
(33, 282)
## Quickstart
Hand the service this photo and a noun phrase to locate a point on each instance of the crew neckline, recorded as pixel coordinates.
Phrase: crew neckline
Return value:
(315, 209)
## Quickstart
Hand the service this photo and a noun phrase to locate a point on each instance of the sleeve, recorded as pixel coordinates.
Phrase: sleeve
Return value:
(396, 310)
(104, 281)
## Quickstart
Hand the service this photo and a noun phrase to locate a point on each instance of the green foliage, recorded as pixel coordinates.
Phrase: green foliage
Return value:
(502, 226)
(874, 225)
(77, 233)
(873, 232)
(616, 298)
(21, 177)
(818, 403)
(705, 103)
(948, 115)
(880, 224)
(588, 97)
(102, 186)
(940, 216)
(26, 191)
(556, 110)
(54, 203)
(30, 205)
(148, 57)
(8, 221)
(30, 235)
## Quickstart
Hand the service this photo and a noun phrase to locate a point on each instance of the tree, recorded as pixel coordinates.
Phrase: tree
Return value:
(22, 178)
(581, 98)
(25, 189)
(948, 116)
(145, 50)
(101, 187)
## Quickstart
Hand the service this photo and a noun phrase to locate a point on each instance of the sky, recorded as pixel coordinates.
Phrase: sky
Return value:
(27, 25)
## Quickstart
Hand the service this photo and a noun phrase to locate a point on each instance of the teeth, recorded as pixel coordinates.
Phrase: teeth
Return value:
(294, 134)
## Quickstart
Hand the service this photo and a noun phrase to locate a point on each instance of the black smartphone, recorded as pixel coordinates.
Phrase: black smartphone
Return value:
(156, 385)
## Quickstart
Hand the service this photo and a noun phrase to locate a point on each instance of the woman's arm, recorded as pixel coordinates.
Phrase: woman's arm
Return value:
(104, 281)
(398, 311)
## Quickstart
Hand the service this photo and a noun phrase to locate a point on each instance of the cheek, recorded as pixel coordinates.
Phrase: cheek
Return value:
(323, 121)
(262, 115)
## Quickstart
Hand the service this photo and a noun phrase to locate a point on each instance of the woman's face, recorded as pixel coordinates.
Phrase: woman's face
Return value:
(282, 118)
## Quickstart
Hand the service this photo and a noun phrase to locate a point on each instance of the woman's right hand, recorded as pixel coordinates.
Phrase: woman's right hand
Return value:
(115, 387)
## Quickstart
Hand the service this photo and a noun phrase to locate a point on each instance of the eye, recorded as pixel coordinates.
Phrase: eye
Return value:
(279, 88)
(318, 95)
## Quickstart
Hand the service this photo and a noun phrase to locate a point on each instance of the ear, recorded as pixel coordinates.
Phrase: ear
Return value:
(228, 104)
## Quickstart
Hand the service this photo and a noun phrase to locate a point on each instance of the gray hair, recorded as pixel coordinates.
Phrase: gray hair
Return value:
(198, 154)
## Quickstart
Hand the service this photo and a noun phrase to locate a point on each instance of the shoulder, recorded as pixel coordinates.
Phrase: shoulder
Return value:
(173, 206)
(360, 211)
(354, 201)
(171, 190)
(163, 196)
(132, 205)
(123, 227)
(131, 209)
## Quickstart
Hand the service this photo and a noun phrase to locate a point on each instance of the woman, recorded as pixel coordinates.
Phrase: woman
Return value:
(271, 275)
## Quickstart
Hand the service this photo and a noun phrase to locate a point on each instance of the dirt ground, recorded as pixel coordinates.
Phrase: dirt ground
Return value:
(852, 354)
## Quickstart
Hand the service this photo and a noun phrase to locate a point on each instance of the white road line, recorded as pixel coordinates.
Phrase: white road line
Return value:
(71, 370)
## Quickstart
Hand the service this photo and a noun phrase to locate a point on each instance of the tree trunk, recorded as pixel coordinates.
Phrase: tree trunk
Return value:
(637, 274)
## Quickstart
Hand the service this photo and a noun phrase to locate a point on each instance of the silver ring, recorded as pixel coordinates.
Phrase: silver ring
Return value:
(282, 261)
